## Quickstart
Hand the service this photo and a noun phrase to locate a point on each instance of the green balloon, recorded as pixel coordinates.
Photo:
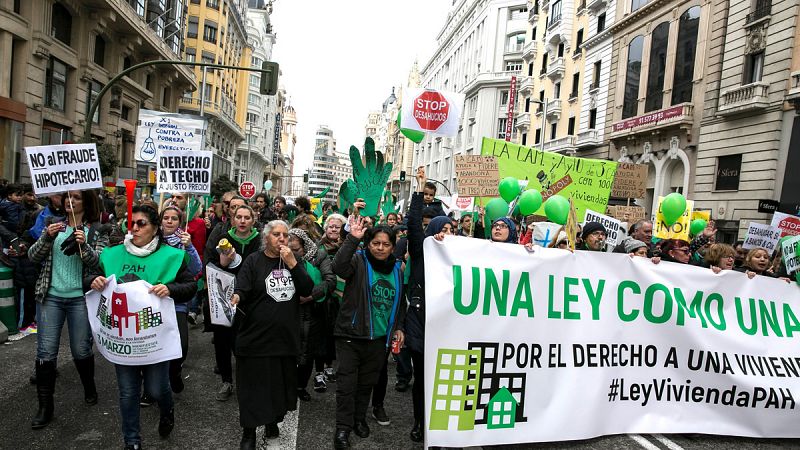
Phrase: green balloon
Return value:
(495, 209)
(509, 189)
(515, 213)
(697, 226)
(672, 207)
(529, 202)
(414, 135)
(556, 208)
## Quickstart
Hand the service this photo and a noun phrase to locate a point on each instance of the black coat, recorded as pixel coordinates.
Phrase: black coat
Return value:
(415, 317)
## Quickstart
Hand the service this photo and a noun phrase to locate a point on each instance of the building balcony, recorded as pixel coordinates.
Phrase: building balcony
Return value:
(524, 121)
(554, 109)
(681, 116)
(762, 9)
(588, 138)
(543, 4)
(533, 13)
(561, 145)
(497, 79)
(525, 86)
(530, 50)
(216, 110)
(793, 94)
(556, 69)
(596, 6)
(750, 97)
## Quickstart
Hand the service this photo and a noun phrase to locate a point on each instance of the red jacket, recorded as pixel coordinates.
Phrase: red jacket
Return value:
(197, 228)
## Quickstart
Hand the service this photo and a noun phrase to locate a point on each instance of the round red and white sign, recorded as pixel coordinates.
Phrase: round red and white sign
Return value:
(431, 110)
(247, 190)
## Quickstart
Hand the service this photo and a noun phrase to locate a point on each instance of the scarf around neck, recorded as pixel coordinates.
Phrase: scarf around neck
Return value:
(244, 241)
(385, 267)
(147, 250)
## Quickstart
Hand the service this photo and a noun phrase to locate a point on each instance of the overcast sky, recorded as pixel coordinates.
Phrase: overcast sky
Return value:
(340, 59)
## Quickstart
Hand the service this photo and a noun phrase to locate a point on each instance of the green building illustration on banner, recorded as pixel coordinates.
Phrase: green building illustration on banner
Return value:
(455, 390)
(502, 410)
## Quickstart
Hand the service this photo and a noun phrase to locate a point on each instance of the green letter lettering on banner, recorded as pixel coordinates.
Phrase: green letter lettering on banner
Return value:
(458, 304)
(751, 330)
(719, 324)
(648, 304)
(627, 284)
(769, 317)
(790, 320)
(492, 290)
(594, 296)
(551, 313)
(694, 308)
(523, 298)
(569, 297)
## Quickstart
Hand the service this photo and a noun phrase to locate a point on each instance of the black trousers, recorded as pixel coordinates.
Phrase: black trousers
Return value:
(404, 369)
(224, 340)
(183, 328)
(379, 391)
(418, 391)
(360, 363)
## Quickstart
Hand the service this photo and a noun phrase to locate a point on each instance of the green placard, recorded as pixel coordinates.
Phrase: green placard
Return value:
(587, 181)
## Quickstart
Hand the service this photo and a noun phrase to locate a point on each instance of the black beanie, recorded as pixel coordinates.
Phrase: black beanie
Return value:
(591, 227)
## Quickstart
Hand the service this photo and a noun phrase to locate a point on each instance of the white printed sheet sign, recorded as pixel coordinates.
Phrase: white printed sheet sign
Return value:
(555, 346)
(131, 326)
(220, 290)
(62, 168)
(612, 225)
(280, 285)
(184, 171)
(159, 131)
(430, 111)
(762, 235)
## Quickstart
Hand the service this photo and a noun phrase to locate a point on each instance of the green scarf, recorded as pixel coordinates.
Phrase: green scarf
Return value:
(243, 241)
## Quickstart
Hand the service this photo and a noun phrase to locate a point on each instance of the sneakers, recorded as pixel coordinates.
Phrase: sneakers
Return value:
(192, 318)
(303, 395)
(319, 383)
(146, 400)
(225, 391)
(330, 375)
(379, 414)
(30, 329)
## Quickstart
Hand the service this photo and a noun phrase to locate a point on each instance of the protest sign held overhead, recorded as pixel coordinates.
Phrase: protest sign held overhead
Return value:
(679, 229)
(587, 181)
(476, 175)
(131, 326)
(612, 225)
(762, 235)
(159, 131)
(628, 214)
(630, 181)
(61, 168)
(184, 171)
(791, 259)
(434, 112)
(788, 224)
(665, 348)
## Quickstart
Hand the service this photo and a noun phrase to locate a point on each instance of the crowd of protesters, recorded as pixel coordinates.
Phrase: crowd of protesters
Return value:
(350, 296)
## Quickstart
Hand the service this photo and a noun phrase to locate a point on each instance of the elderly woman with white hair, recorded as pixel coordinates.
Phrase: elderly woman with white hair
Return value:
(268, 290)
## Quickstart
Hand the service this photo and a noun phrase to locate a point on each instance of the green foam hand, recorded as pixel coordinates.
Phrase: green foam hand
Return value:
(369, 179)
(347, 195)
(323, 193)
(387, 205)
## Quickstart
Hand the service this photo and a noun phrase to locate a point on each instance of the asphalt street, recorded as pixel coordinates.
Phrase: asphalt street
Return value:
(202, 422)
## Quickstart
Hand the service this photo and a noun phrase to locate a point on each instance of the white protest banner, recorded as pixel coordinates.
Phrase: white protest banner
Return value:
(761, 235)
(789, 224)
(613, 226)
(554, 346)
(790, 257)
(220, 290)
(62, 168)
(544, 233)
(131, 326)
(159, 131)
(184, 171)
(434, 112)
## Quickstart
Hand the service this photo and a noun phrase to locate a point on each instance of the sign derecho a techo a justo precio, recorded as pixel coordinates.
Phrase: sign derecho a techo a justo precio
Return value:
(61, 168)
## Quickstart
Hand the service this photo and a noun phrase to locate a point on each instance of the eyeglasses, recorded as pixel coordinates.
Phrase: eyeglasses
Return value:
(682, 250)
(597, 233)
(500, 225)
(141, 223)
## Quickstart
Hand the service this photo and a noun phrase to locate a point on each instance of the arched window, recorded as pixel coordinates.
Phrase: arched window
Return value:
(62, 23)
(657, 67)
(684, 56)
(630, 103)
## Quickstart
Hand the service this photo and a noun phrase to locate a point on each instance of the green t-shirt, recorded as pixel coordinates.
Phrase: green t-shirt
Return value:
(383, 292)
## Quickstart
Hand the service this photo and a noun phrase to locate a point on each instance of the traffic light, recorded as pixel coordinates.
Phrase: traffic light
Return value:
(269, 78)
(305, 178)
(402, 175)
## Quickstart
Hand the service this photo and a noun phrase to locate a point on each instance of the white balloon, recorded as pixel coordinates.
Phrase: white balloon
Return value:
(268, 185)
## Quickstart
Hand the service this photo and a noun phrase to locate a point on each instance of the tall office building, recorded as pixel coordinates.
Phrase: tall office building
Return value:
(329, 168)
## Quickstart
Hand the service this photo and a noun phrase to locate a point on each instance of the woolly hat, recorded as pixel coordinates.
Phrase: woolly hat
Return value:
(631, 245)
(591, 227)
(436, 224)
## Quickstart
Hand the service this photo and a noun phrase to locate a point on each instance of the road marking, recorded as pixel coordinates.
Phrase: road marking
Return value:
(641, 440)
(671, 445)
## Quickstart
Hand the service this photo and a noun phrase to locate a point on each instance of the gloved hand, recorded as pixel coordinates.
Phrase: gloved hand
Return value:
(70, 246)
